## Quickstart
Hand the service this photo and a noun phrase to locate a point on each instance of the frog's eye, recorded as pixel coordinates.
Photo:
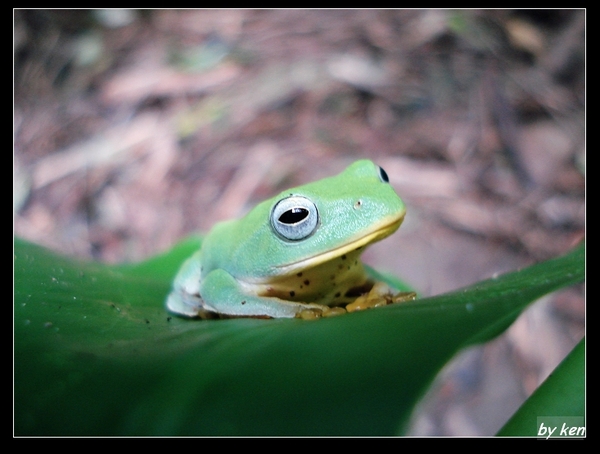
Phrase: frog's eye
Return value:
(295, 218)
(383, 175)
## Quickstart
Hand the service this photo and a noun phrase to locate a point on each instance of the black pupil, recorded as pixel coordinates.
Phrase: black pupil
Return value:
(293, 216)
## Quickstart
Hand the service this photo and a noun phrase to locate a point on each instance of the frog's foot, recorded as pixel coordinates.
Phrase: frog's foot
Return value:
(313, 311)
(186, 305)
(380, 295)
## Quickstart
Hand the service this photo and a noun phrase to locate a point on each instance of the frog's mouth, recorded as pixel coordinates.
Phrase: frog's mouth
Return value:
(378, 233)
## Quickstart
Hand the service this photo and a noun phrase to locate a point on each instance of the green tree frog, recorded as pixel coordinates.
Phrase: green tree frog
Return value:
(296, 253)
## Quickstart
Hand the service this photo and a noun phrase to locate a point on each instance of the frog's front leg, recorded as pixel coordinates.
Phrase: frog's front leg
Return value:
(223, 294)
(184, 298)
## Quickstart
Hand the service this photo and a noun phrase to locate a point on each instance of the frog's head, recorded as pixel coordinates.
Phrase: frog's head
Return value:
(312, 224)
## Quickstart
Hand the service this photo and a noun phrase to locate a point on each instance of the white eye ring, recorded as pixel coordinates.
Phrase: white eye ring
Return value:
(294, 218)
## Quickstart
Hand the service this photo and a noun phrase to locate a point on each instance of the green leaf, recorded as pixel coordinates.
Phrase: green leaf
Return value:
(562, 394)
(95, 353)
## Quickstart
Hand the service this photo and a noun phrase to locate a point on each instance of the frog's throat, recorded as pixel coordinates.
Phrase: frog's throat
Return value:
(377, 234)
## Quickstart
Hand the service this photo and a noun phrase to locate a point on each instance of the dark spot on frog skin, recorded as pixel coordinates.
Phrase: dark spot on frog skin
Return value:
(243, 302)
(299, 274)
(344, 257)
(338, 294)
(147, 321)
(306, 282)
(292, 293)
(169, 319)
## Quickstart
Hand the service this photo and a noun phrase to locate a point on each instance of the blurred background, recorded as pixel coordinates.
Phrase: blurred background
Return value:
(133, 129)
